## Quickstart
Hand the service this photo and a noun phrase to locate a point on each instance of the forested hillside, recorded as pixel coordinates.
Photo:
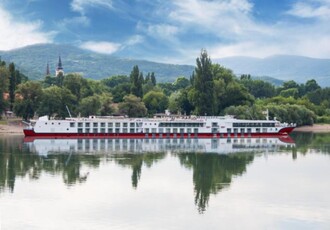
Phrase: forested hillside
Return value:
(32, 61)
(211, 90)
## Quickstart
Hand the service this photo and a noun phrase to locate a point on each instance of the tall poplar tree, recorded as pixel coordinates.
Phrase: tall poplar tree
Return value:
(203, 84)
(137, 80)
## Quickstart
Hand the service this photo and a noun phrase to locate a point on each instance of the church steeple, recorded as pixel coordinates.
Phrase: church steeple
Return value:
(59, 68)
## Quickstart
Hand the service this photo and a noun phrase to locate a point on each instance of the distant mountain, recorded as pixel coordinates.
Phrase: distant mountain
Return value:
(283, 67)
(32, 61)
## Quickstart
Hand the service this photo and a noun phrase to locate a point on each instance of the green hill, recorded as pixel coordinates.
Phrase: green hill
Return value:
(32, 61)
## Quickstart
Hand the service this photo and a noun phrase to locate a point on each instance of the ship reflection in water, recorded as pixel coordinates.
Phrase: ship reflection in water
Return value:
(140, 146)
(213, 162)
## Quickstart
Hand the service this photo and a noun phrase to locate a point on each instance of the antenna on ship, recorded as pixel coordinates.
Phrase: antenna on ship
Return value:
(67, 108)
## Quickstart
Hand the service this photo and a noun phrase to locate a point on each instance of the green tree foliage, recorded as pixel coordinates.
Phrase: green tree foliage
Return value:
(120, 91)
(115, 81)
(181, 83)
(179, 102)
(136, 79)
(156, 102)
(245, 112)
(4, 79)
(106, 104)
(258, 88)
(202, 96)
(132, 106)
(54, 102)
(90, 105)
(297, 114)
(28, 99)
(77, 85)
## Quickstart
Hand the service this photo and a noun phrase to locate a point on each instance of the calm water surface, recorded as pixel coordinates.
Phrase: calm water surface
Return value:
(165, 184)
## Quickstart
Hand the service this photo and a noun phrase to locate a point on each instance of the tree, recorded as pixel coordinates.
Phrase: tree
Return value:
(106, 104)
(12, 84)
(202, 98)
(29, 95)
(155, 101)
(54, 102)
(136, 79)
(90, 106)
(4, 78)
(132, 106)
(181, 83)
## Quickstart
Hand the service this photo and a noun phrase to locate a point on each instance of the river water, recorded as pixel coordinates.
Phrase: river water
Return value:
(250, 183)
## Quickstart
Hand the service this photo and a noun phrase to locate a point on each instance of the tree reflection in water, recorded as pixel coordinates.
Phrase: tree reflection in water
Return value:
(213, 172)
(136, 161)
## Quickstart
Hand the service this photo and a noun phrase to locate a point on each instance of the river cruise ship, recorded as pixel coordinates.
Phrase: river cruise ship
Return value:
(157, 127)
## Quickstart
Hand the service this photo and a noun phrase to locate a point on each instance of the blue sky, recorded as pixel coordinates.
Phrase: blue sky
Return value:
(172, 31)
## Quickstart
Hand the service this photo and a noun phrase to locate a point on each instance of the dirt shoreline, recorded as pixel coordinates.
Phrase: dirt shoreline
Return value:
(317, 128)
(11, 129)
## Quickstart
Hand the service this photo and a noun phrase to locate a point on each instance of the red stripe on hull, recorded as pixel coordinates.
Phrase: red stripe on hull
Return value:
(283, 135)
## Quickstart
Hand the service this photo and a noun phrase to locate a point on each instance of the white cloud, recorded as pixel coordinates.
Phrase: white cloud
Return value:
(80, 5)
(159, 31)
(81, 20)
(311, 9)
(101, 47)
(16, 34)
(135, 39)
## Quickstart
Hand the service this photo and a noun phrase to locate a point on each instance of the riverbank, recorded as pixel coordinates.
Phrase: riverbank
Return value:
(11, 127)
(316, 128)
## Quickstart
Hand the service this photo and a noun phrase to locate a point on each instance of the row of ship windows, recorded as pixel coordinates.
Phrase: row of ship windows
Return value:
(104, 124)
(254, 124)
(169, 130)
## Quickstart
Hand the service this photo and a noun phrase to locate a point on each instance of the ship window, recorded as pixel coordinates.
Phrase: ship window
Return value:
(95, 124)
(86, 130)
(125, 129)
(181, 130)
(242, 130)
(109, 130)
(72, 124)
(117, 124)
(80, 130)
(195, 130)
(153, 130)
(46, 123)
(168, 130)
(228, 130)
(264, 130)
(102, 124)
(235, 130)
(80, 124)
(257, 130)
(214, 124)
(249, 130)
(110, 124)
(117, 130)
(102, 130)
(175, 130)
(131, 124)
(87, 124)
(95, 130)
(132, 131)
(52, 123)
(189, 130)
(59, 123)
(125, 124)
(161, 130)
(146, 130)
